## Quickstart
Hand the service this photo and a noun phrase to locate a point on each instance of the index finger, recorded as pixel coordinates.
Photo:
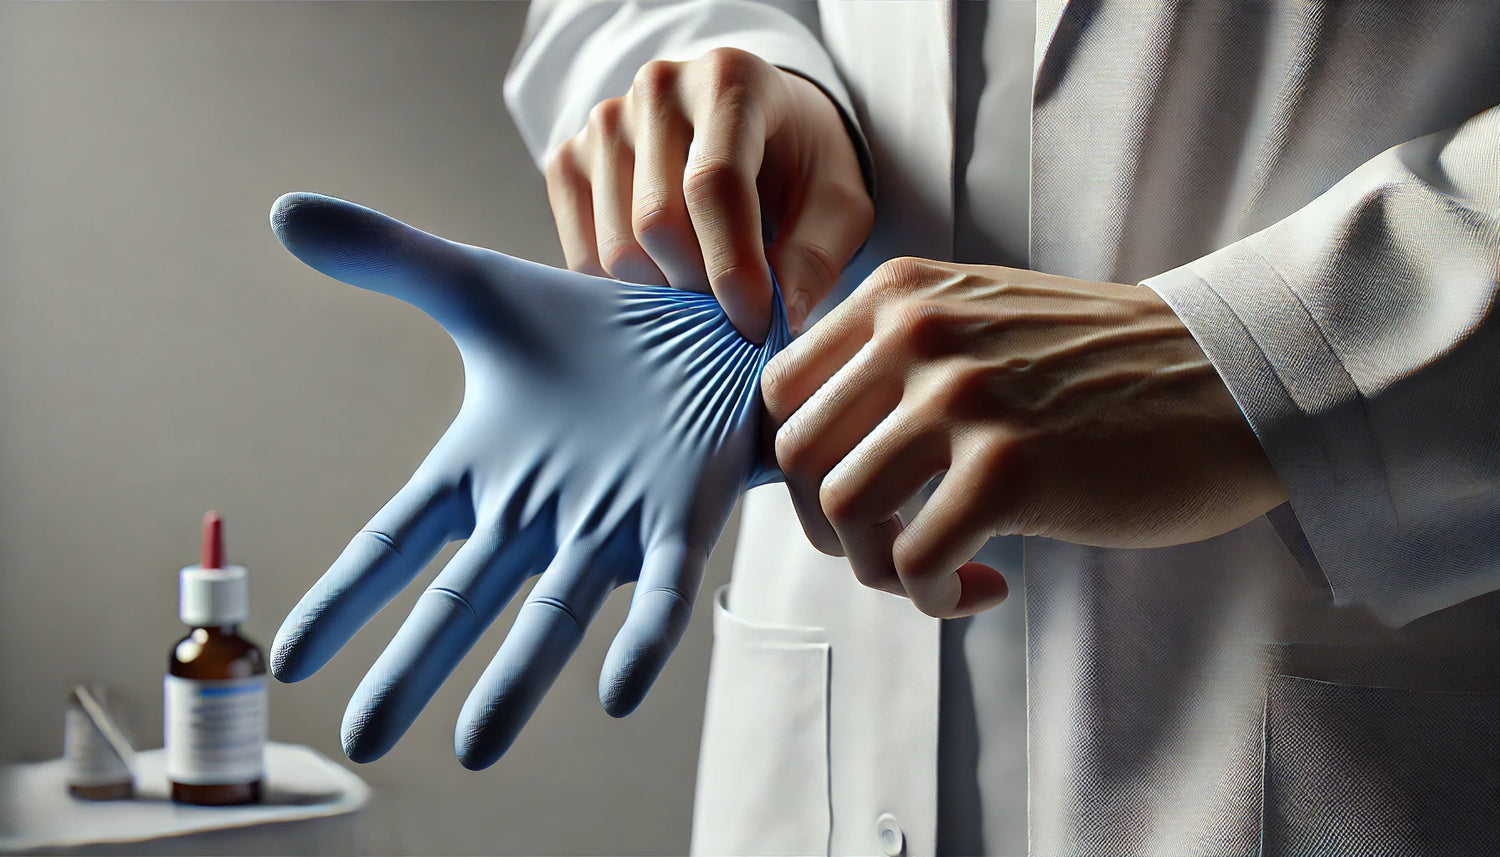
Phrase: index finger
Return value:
(724, 159)
(806, 364)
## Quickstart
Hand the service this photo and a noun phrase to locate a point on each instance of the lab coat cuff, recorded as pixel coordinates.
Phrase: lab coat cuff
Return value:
(1309, 416)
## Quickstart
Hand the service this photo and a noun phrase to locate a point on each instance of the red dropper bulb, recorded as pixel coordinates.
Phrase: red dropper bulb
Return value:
(213, 540)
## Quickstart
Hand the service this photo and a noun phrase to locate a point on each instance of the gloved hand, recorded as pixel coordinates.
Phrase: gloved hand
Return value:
(605, 434)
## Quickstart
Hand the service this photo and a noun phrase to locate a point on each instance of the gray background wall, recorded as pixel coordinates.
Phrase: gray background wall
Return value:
(160, 354)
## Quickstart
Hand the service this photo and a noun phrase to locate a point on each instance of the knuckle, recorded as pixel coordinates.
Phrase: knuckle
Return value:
(839, 504)
(729, 71)
(656, 81)
(870, 578)
(913, 328)
(821, 263)
(914, 562)
(895, 275)
(712, 179)
(620, 253)
(657, 216)
(793, 453)
(736, 275)
(606, 118)
(562, 168)
(964, 384)
(773, 389)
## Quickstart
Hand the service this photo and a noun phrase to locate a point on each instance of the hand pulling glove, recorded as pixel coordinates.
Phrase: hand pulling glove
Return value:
(606, 431)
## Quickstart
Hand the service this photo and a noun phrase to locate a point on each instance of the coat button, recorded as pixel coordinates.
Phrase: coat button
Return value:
(892, 840)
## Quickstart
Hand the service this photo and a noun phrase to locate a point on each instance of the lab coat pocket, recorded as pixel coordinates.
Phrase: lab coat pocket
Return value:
(1354, 769)
(763, 769)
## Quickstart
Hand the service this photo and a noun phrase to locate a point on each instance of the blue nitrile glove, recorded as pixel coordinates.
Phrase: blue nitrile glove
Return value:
(606, 432)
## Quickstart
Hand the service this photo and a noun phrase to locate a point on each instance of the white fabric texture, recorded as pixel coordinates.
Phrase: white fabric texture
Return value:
(552, 101)
(1253, 693)
(1161, 133)
(982, 705)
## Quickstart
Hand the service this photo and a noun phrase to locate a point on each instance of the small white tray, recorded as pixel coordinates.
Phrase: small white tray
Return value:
(36, 811)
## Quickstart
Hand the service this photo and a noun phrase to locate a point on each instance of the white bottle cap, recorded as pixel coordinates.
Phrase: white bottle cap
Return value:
(213, 596)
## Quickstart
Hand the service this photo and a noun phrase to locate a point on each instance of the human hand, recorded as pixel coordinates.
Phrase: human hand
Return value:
(669, 184)
(1075, 410)
(605, 434)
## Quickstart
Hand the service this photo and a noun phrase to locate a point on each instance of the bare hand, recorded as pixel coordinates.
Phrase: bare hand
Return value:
(666, 185)
(1057, 407)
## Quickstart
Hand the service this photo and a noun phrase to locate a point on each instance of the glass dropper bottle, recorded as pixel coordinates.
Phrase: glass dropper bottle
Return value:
(215, 715)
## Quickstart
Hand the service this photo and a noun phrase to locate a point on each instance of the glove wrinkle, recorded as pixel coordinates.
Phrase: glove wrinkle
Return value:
(383, 539)
(440, 590)
(606, 432)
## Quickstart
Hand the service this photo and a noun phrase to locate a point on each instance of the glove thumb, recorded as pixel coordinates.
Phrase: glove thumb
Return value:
(365, 248)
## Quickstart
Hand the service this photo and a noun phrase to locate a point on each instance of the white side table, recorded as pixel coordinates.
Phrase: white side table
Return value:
(309, 805)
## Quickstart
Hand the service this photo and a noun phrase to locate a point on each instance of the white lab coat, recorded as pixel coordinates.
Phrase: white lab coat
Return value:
(1315, 189)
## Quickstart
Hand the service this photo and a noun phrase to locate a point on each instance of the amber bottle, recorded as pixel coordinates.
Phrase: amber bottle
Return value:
(215, 687)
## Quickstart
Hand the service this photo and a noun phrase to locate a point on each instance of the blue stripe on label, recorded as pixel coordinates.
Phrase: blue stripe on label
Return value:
(229, 691)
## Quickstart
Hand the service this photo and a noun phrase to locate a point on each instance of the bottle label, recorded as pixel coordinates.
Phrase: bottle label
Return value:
(215, 730)
(90, 759)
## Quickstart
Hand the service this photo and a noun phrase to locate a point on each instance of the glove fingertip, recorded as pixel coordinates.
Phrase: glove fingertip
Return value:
(630, 668)
(474, 757)
(656, 623)
(359, 752)
(281, 667)
(288, 662)
(296, 216)
(363, 741)
(621, 691)
(287, 202)
(474, 749)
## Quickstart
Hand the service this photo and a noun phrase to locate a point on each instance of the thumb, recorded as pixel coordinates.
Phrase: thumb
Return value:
(364, 248)
(818, 235)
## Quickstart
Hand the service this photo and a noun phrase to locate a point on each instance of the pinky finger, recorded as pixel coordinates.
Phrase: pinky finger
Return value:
(570, 193)
(933, 555)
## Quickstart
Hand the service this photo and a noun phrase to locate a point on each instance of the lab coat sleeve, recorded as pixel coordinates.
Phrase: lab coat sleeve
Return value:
(576, 53)
(1360, 338)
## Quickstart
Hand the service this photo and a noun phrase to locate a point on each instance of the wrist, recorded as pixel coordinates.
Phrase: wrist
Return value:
(851, 127)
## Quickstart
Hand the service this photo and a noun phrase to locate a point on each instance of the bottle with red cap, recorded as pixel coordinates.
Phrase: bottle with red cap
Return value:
(215, 714)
